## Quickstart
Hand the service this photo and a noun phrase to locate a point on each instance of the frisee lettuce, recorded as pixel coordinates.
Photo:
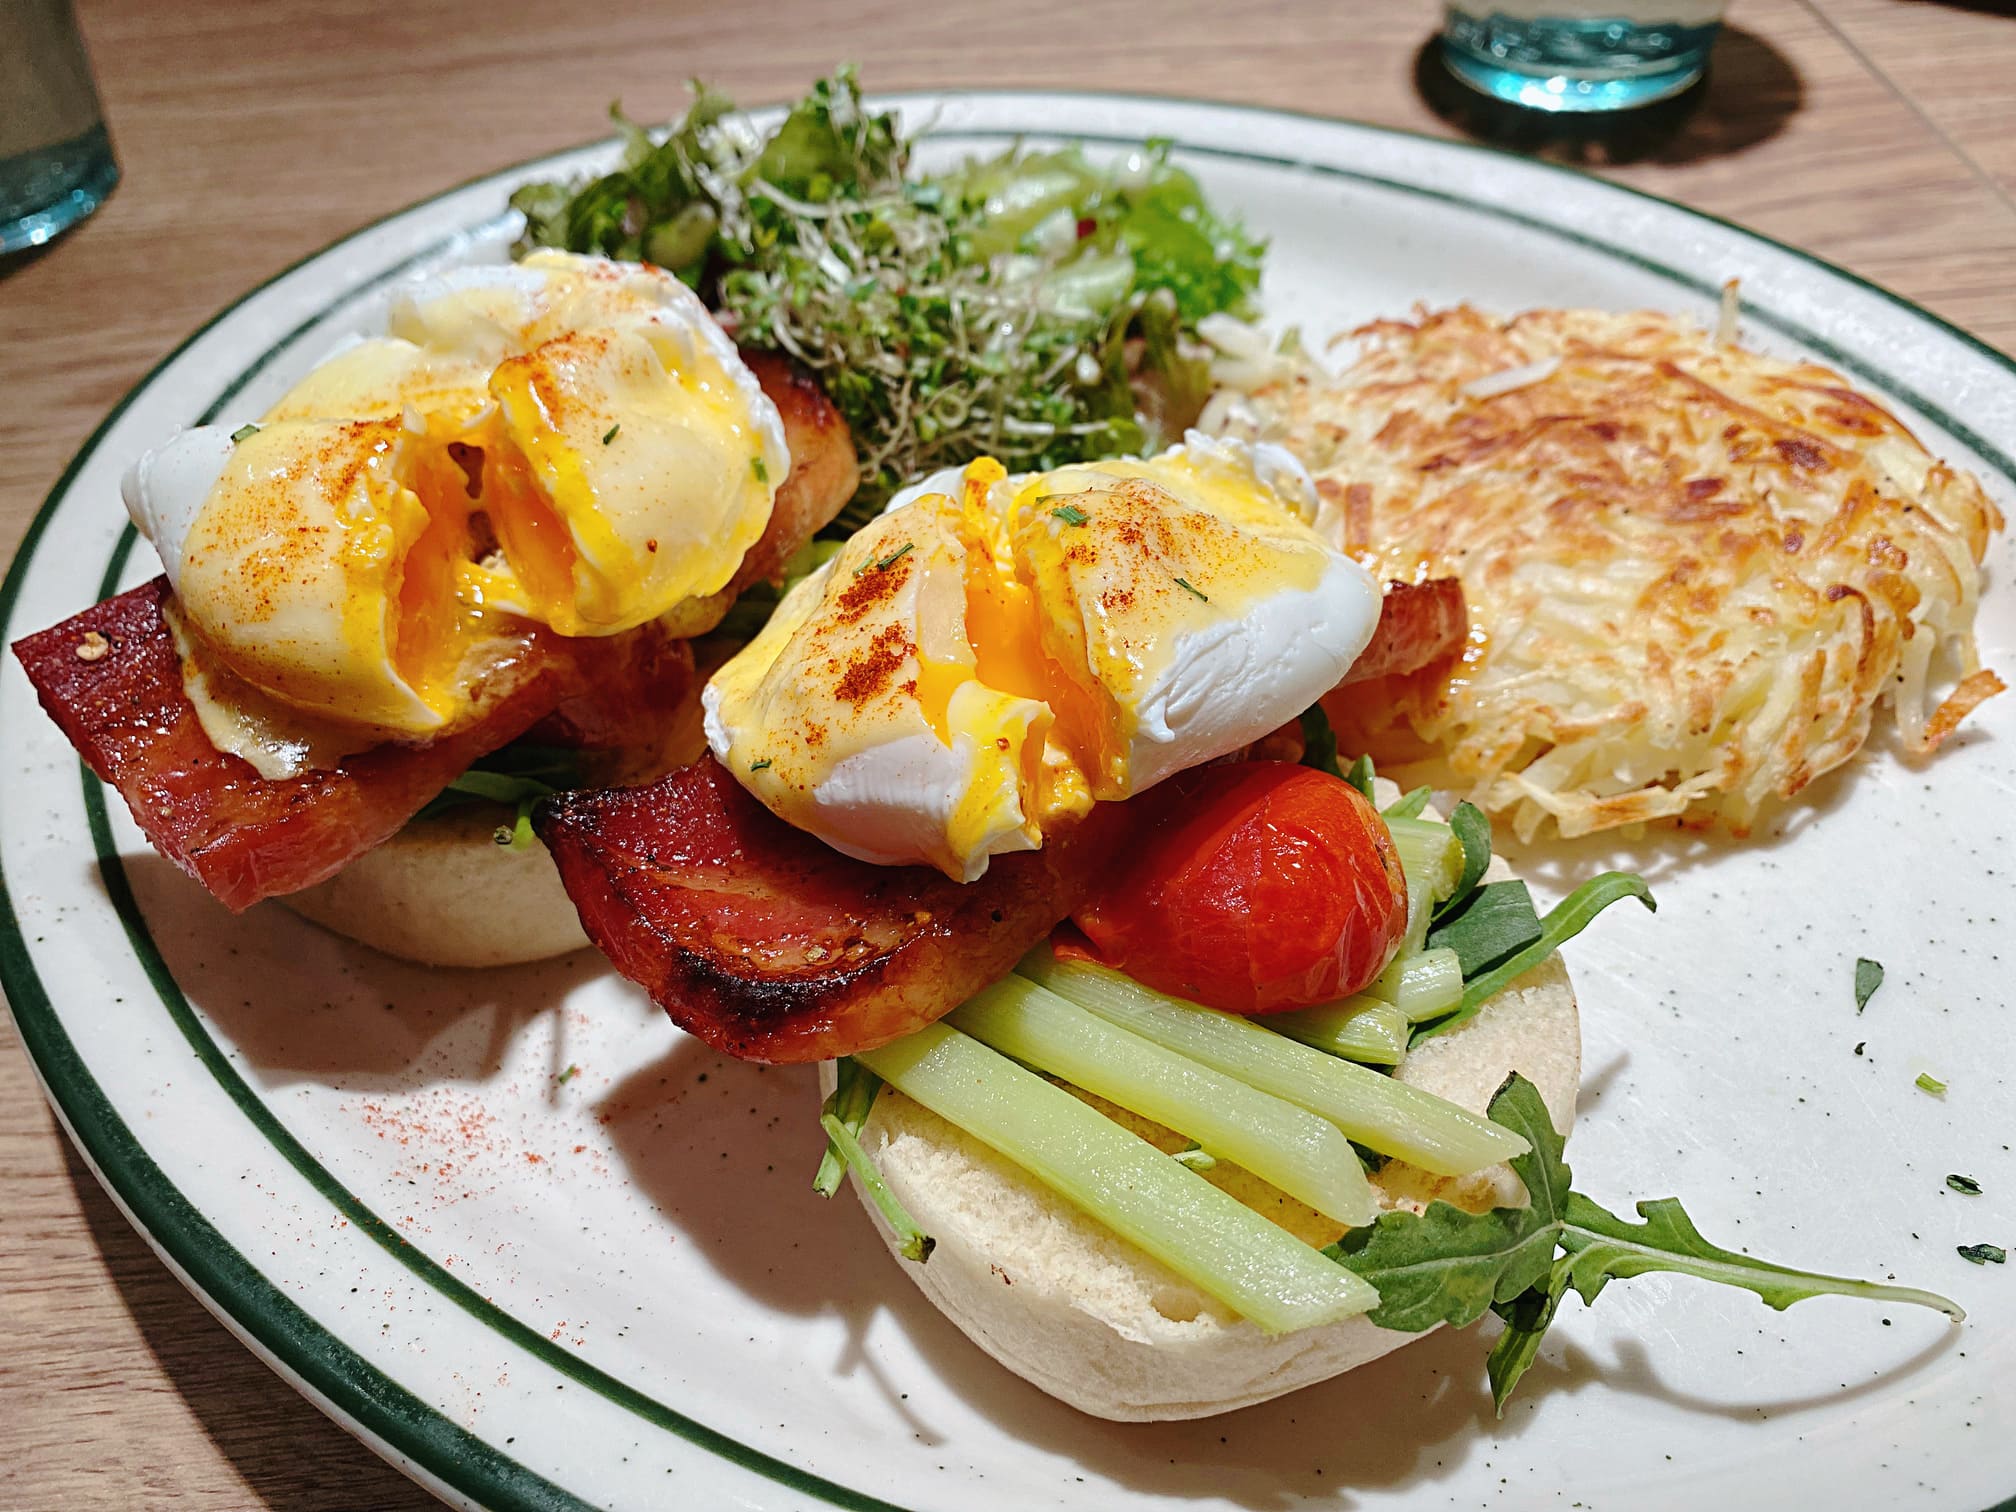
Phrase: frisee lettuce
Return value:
(1033, 306)
(1446, 1265)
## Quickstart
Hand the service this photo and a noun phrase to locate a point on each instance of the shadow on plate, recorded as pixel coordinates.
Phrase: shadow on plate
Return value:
(1750, 92)
(726, 1151)
(302, 1004)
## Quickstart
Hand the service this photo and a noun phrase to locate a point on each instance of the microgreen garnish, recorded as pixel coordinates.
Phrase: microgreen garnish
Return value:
(1927, 1082)
(1966, 1185)
(244, 433)
(842, 1117)
(1868, 977)
(1191, 588)
(1003, 309)
(761, 468)
(1983, 1254)
(1446, 1265)
(854, 1089)
(610, 434)
(758, 766)
(1070, 514)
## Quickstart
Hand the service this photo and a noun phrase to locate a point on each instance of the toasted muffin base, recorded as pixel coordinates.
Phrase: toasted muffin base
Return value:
(442, 892)
(1070, 1306)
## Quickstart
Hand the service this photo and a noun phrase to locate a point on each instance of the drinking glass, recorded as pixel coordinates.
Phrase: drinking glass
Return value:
(1580, 55)
(56, 161)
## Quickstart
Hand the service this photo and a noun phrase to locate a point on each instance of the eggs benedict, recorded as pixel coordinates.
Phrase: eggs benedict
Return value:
(502, 518)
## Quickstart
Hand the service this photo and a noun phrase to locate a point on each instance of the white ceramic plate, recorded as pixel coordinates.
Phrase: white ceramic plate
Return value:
(536, 1289)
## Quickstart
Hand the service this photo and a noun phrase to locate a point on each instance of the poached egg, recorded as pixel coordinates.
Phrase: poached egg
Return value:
(993, 655)
(568, 441)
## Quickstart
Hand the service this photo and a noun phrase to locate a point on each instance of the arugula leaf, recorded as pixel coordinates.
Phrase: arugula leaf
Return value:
(518, 774)
(1319, 741)
(1526, 1318)
(1498, 920)
(1473, 832)
(1408, 805)
(1563, 922)
(1445, 1265)
(1868, 977)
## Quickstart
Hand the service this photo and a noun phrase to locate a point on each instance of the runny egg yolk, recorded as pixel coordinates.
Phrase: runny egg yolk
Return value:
(570, 442)
(981, 665)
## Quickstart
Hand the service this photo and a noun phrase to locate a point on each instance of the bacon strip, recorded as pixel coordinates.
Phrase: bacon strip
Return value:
(111, 679)
(770, 945)
(1419, 623)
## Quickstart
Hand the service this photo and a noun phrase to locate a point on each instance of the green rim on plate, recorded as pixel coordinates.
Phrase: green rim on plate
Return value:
(417, 1436)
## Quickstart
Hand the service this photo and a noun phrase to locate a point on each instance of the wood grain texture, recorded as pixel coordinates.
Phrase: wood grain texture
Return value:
(1878, 133)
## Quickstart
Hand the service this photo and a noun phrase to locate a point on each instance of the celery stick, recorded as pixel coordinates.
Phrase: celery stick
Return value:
(1429, 851)
(1211, 1239)
(1278, 1141)
(1377, 1111)
(1420, 913)
(1421, 985)
(1357, 1028)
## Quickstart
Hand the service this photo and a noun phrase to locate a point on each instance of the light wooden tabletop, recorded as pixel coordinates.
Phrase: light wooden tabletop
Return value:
(1878, 133)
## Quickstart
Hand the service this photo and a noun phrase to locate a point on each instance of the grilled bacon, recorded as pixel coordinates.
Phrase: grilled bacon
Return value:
(769, 945)
(772, 946)
(111, 679)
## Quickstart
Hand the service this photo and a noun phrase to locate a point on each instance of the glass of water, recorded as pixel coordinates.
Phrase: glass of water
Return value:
(1580, 55)
(56, 161)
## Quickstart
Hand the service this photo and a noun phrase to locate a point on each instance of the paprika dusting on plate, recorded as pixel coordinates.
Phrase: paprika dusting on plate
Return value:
(1254, 887)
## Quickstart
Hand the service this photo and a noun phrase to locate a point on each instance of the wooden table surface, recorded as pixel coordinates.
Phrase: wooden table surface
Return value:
(1878, 133)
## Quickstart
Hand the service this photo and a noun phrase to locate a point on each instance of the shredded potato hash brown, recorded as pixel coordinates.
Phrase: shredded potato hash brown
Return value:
(1693, 572)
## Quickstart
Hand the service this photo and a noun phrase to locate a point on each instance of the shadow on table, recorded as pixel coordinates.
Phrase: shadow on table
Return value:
(1748, 94)
(288, 1454)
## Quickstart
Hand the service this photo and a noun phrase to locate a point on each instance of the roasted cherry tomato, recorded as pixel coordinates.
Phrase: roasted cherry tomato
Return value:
(1254, 887)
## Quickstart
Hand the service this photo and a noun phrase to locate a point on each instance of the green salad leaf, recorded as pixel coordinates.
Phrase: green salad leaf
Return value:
(1032, 306)
(1868, 977)
(1319, 742)
(1563, 922)
(1497, 921)
(1446, 1265)
(1473, 833)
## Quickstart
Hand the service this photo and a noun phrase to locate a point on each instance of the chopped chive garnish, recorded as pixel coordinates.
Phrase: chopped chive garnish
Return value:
(1868, 977)
(1964, 1184)
(568, 1075)
(610, 434)
(757, 766)
(1191, 588)
(1984, 1254)
(244, 432)
(1070, 514)
(761, 468)
(897, 555)
(1927, 1082)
